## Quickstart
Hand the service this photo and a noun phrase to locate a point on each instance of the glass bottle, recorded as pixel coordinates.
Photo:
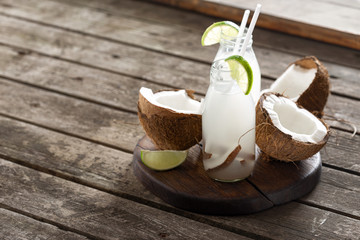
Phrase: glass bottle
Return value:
(227, 45)
(228, 120)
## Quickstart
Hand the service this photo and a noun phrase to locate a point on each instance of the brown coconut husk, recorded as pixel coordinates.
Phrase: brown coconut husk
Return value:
(314, 98)
(169, 130)
(278, 144)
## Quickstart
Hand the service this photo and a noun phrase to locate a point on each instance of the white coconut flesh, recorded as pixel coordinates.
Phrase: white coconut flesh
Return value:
(294, 81)
(302, 125)
(177, 101)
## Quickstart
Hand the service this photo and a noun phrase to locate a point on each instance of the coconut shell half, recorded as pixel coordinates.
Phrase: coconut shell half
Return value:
(279, 145)
(168, 129)
(314, 98)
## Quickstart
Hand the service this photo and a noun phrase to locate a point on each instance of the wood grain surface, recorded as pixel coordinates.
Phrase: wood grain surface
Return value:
(70, 72)
(68, 45)
(110, 170)
(98, 214)
(18, 226)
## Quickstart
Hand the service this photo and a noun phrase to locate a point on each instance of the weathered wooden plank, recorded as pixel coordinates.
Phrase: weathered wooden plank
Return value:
(17, 226)
(116, 57)
(134, 31)
(77, 117)
(302, 19)
(42, 71)
(345, 185)
(313, 223)
(302, 222)
(118, 91)
(342, 150)
(267, 38)
(92, 211)
(110, 170)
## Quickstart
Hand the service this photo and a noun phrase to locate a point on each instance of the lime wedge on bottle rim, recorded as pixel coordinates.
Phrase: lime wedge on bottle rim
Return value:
(241, 72)
(163, 160)
(212, 34)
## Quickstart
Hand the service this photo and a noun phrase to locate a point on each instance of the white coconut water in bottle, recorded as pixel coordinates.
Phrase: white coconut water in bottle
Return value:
(228, 119)
(228, 123)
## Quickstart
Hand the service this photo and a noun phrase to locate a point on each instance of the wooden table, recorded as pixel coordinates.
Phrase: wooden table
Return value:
(70, 72)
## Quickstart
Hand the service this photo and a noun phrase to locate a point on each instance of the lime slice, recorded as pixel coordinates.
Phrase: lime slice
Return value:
(163, 160)
(241, 72)
(212, 34)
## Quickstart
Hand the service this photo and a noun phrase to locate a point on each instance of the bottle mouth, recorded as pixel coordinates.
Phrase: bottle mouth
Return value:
(231, 40)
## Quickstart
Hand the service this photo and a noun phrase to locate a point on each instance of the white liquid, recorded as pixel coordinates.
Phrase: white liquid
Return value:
(228, 114)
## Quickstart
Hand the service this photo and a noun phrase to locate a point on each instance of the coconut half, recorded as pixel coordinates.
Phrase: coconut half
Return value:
(171, 118)
(306, 82)
(286, 131)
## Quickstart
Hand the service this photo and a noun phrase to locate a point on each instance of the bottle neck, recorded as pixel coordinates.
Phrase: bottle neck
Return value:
(221, 80)
(227, 45)
(220, 72)
(230, 41)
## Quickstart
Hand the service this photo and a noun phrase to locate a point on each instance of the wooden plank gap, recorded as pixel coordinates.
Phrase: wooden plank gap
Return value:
(341, 169)
(347, 130)
(18, 226)
(89, 184)
(345, 95)
(44, 220)
(328, 209)
(65, 133)
(135, 77)
(90, 100)
(259, 190)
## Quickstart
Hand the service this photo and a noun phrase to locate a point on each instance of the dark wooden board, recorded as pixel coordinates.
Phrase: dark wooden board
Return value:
(282, 182)
(188, 186)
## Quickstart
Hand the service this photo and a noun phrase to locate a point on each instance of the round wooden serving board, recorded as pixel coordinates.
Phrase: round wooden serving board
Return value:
(188, 187)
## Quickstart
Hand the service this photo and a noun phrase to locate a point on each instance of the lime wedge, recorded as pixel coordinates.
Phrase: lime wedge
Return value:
(163, 160)
(241, 72)
(212, 34)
